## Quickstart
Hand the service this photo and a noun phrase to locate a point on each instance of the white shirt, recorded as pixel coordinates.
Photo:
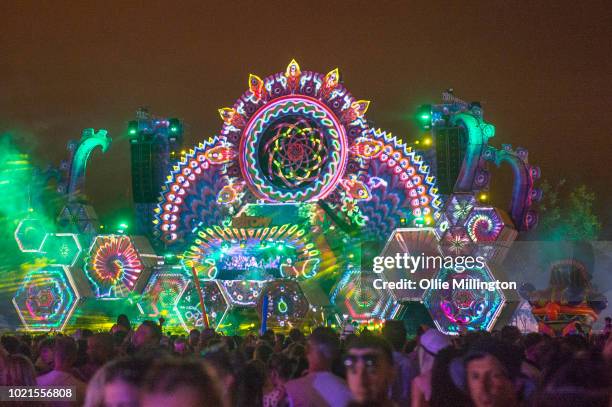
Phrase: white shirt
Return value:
(319, 389)
(57, 378)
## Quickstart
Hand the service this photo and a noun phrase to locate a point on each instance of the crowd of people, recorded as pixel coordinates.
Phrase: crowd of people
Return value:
(129, 367)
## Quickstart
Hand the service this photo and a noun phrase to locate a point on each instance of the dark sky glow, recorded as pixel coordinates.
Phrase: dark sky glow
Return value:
(542, 71)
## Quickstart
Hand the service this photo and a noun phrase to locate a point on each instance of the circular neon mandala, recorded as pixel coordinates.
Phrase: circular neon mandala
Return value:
(293, 149)
(113, 266)
(293, 152)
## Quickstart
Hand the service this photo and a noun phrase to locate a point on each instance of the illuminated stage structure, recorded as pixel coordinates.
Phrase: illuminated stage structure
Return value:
(276, 212)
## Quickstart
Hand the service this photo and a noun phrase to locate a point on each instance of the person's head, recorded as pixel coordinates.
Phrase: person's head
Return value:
(369, 368)
(443, 391)
(10, 343)
(511, 334)
(124, 322)
(321, 350)
(147, 334)
(296, 336)
(18, 371)
(46, 351)
(280, 369)
(117, 383)
(100, 348)
(182, 382)
(263, 351)
(268, 336)
(491, 368)
(65, 353)
(180, 346)
(250, 383)
(221, 362)
(431, 342)
(194, 338)
(395, 333)
(608, 320)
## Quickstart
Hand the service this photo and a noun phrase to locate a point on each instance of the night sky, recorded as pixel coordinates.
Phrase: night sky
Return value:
(543, 72)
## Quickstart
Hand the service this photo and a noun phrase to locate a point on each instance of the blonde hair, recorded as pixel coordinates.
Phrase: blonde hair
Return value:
(18, 371)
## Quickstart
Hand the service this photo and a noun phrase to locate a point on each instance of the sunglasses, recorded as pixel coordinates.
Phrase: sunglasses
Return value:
(370, 360)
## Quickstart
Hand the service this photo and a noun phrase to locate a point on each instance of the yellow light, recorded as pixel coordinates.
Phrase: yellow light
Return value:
(183, 152)
(483, 197)
(417, 142)
(427, 141)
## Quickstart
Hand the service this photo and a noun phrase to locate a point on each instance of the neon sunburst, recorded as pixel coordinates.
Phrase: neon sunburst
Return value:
(113, 266)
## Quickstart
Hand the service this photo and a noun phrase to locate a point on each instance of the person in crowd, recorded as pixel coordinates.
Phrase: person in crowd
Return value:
(122, 325)
(180, 383)
(534, 345)
(607, 331)
(582, 381)
(430, 343)
(250, 384)
(405, 368)
(44, 362)
(224, 367)
(11, 344)
(194, 339)
(64, 356)
(369, 370)
(443, 391)
(607, 352)
(3, 357)
(180, 347)
(490, 374)
(18, 370)
(280, 370)
(319, 387)
(510, 334)
(117, 383)
(147, 337)
(100, 350)
(296, 336)
(262, 352)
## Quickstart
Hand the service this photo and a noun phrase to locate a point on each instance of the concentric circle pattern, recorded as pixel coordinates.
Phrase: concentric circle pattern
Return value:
(293, 149)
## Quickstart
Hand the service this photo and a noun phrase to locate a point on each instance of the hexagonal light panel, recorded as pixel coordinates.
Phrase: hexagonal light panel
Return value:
(459, 207)
(464, 304)
(160, 297)
(242, 293)
(61, 248)
(286, 305)
(30, 234)
(189, 308)
(46, 299)
(414, 242)
(355, 296)
(492, 232)
(456, 242)
(113, 266)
